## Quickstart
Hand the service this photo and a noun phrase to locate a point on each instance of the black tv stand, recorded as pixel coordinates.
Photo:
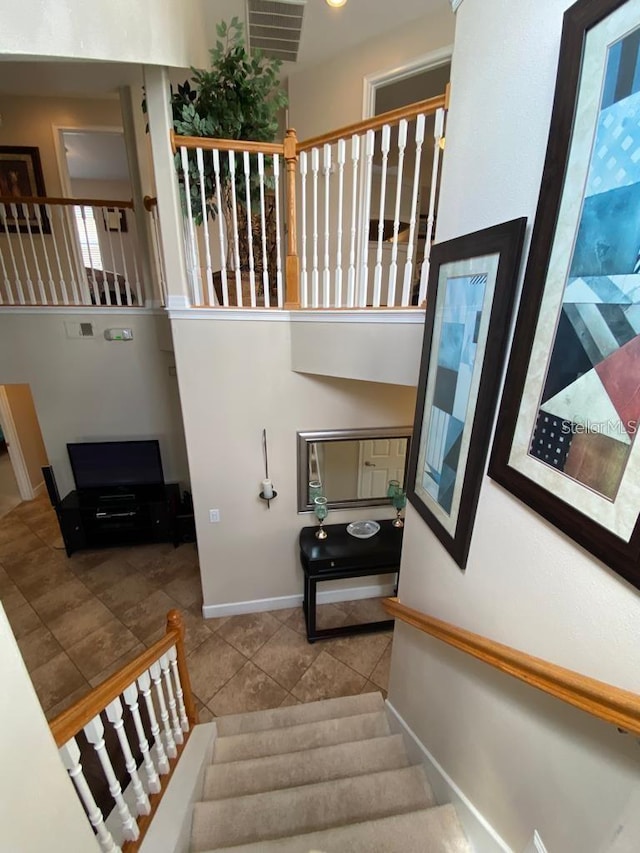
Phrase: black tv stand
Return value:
(97, 518)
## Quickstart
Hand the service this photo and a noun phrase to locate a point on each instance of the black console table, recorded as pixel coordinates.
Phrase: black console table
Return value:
(340, 556)
(99, 519)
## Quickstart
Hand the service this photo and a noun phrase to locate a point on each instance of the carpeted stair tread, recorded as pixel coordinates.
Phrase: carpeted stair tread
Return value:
(294, 715)
(434, 830)
(309, 808)
(288, 770)
(294, 738)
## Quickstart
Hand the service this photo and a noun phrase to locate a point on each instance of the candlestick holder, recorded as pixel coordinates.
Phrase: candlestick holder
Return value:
(321, 511)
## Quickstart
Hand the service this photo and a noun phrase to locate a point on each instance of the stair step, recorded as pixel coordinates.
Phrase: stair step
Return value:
(435, 830)
(292, 769)
(307, 735)
(309, 808)
(293, 715)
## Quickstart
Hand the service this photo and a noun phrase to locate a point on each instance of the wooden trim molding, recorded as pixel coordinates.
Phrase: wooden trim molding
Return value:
(602, 700)
(392, 117)
(208, 144)
(68, 202)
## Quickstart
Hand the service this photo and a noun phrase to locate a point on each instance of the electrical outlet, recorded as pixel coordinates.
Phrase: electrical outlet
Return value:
(214, 516)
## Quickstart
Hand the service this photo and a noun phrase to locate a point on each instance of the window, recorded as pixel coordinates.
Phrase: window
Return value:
(88, 237)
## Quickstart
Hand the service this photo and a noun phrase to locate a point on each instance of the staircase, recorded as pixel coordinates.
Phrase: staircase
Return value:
(327, 776)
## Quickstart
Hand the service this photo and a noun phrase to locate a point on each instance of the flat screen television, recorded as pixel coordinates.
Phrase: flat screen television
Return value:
(116, 464)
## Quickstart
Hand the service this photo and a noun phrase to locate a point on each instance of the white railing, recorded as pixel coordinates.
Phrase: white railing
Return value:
(149, 708)
(362, 199)
(57, 251)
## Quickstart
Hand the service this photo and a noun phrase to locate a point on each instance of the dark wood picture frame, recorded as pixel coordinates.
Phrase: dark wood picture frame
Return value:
(21, 177)
(492, 254)
(567, 131)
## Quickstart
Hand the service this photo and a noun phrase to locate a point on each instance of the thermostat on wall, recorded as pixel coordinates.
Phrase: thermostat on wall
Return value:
(118, 334)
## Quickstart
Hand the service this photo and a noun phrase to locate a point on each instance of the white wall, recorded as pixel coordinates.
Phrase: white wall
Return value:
(236, 379)
(523, 761)
(164, 32)
(93, 389)
(39, 809)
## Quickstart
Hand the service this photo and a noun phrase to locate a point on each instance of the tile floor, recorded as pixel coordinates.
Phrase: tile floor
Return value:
(79, 619)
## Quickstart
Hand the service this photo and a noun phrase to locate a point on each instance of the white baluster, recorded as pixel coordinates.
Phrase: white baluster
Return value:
(63, 215)
(173, 658)
(247, 188)
(304, 281)
(377, 276)
(341, 161)
(94, 732)
(159, 255)
(437, 136)
(87, 243)
(27, 272)
(351, 278)
(114, 715)
(70, 755)
(263, 223)
(52, 287)
(125, 271)
(34, 255)
(393, 267)
(276, 177)
(136, 274)
(326, 273)
(165, 666)
(131, 698)
(223, 256)
(156, 677)
(16, 274)
(234, 211)
(192, 254)
(366, 219)
(63, 287)
(7, 283)
(408, 267)
(205, 226)
(315, 168)
(144, 683)
(113, 262)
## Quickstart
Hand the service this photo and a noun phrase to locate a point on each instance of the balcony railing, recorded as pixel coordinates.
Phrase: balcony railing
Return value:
(69, 252)
(343, 220)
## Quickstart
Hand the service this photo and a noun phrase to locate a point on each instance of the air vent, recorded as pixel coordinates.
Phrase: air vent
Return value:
(275, 27)
(86, 330)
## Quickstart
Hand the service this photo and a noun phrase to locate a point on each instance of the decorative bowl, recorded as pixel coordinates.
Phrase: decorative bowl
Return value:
(363, 529)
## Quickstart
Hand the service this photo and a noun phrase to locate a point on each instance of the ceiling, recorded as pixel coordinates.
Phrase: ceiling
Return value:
(326, 32)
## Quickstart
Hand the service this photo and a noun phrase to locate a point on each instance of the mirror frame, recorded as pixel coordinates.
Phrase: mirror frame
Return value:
(304, 439)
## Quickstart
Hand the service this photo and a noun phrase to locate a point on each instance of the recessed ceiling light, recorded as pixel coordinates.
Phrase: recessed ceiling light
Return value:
(336, 3)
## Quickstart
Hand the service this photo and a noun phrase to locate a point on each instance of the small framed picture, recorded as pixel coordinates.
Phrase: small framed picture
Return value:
(21, 178)
(115, 219)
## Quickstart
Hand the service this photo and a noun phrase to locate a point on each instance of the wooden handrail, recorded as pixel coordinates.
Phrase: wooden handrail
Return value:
(68, 202)
(67, 724)
(602, 700)
(150, 201)
(208, 144)
(391, 117)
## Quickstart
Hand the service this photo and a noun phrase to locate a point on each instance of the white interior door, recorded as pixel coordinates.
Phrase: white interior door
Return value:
(381, 460)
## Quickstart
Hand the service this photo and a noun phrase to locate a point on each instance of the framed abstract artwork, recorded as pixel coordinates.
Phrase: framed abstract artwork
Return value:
(21, 177)
(566, 436)
(472, 282)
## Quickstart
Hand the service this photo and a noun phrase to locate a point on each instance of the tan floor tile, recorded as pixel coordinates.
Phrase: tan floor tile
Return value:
(73, 625)
(6, 584)
(211, 665)
(11, 529)
(23, 620)
(213, 623)
(285, 614)
(166, 568)
(13, 599)
(81, 562)
(21, 565)
(100, 575)
(38, 647)
(380, 674)
(327, 678)
(327, 616)
(361, 651)
(365, 610)
(68, 701)
(289, 699)
(55, 680)
(249, 632)
(370, 687)
(37, 579)
(132, 590)
(20, 546)
(149, 616)
(60, 599)
(117, 664)
(205, 715)
(250, 689)
(99, 649)
(140, 555)
(286, 656)
(185, 590)
(196, 630)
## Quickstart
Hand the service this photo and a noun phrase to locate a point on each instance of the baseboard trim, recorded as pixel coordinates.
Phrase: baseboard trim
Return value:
(40, 489)
(331, 596)
(481, 835)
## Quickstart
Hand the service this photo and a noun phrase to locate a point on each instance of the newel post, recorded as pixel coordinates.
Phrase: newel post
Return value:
(292, 269)
(175, 623)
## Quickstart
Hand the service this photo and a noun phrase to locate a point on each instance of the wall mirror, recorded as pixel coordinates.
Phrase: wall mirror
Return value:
(354, 466)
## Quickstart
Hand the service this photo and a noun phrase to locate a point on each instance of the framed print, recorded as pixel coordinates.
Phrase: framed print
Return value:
(472, 281)
(21, 177)
(115, 219)
(566, 437)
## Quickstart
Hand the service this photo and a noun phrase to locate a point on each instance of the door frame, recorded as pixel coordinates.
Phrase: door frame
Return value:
(15, 449)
